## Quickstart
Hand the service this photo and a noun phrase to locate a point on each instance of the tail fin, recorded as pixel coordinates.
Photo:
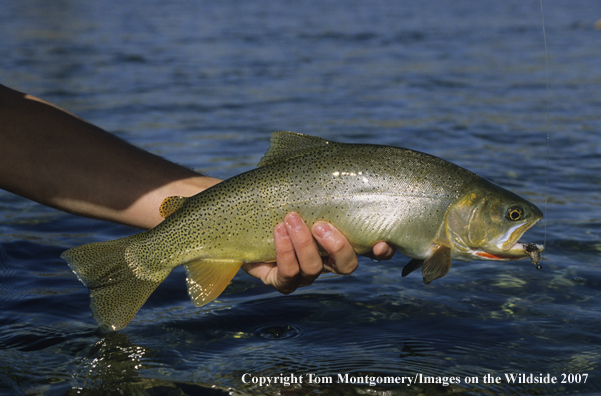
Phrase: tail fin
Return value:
(117, 292)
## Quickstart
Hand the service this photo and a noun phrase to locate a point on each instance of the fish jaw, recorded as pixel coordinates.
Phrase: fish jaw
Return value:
(509, 239)
(517, 252)
(507, 249)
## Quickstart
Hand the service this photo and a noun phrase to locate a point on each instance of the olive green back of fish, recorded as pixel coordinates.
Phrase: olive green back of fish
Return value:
(370, 193)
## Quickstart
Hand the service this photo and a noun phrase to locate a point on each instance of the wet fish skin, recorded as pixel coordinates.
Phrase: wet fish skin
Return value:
(429, 209)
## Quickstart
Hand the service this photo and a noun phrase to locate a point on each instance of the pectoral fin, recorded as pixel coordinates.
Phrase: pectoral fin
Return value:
(208, 278)
(411, 266)
(437, 265)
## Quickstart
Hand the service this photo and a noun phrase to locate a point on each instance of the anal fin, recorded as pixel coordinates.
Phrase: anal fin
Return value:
(208, 278)
(438, 264)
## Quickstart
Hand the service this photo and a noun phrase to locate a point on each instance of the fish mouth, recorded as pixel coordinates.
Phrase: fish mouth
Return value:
(509, 248)
(519, 251)
(508, 240)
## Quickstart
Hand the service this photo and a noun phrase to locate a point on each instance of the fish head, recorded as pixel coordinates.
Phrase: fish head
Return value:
(487, 221)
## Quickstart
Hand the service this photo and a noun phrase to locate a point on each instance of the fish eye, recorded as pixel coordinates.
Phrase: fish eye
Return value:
(515, 213)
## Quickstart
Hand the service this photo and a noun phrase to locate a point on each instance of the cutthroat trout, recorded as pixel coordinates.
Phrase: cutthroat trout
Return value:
(429, 209)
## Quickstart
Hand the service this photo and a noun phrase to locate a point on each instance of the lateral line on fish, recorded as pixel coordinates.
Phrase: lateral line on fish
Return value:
(340, 197)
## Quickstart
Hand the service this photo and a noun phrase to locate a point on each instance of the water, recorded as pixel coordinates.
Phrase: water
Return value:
(204, 83)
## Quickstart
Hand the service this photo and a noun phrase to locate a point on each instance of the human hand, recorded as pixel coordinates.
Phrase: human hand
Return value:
(298, 262)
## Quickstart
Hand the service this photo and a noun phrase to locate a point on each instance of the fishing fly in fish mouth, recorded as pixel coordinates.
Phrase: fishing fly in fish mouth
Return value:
(429, 209)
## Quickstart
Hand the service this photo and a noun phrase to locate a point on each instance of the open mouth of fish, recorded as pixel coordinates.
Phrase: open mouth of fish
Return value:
(514, 250)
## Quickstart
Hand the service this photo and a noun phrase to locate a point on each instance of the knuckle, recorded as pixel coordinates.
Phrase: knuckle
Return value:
(287, 285)
(288, 273)
(337, 246)
(312, 268)
(302, 240)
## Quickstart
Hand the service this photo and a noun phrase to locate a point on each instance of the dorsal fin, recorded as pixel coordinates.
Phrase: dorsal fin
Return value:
(171, 205)
(285, 146)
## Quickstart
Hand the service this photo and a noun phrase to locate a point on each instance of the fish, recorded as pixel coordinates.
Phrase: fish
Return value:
(429, 209)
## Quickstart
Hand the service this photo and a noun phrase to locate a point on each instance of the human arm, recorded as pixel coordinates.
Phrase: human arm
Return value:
(59, 160)
(62, 161)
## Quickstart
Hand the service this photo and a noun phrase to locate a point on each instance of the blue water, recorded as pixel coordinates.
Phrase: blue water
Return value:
(204, 83)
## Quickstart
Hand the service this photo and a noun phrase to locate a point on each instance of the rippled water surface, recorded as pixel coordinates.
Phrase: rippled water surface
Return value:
(204, 84)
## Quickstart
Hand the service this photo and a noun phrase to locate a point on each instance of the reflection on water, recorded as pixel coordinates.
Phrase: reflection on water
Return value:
(115, 365)
(204, 85)
(112, 361)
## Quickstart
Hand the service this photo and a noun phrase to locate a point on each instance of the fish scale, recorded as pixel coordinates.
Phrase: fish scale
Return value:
(370, 193)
